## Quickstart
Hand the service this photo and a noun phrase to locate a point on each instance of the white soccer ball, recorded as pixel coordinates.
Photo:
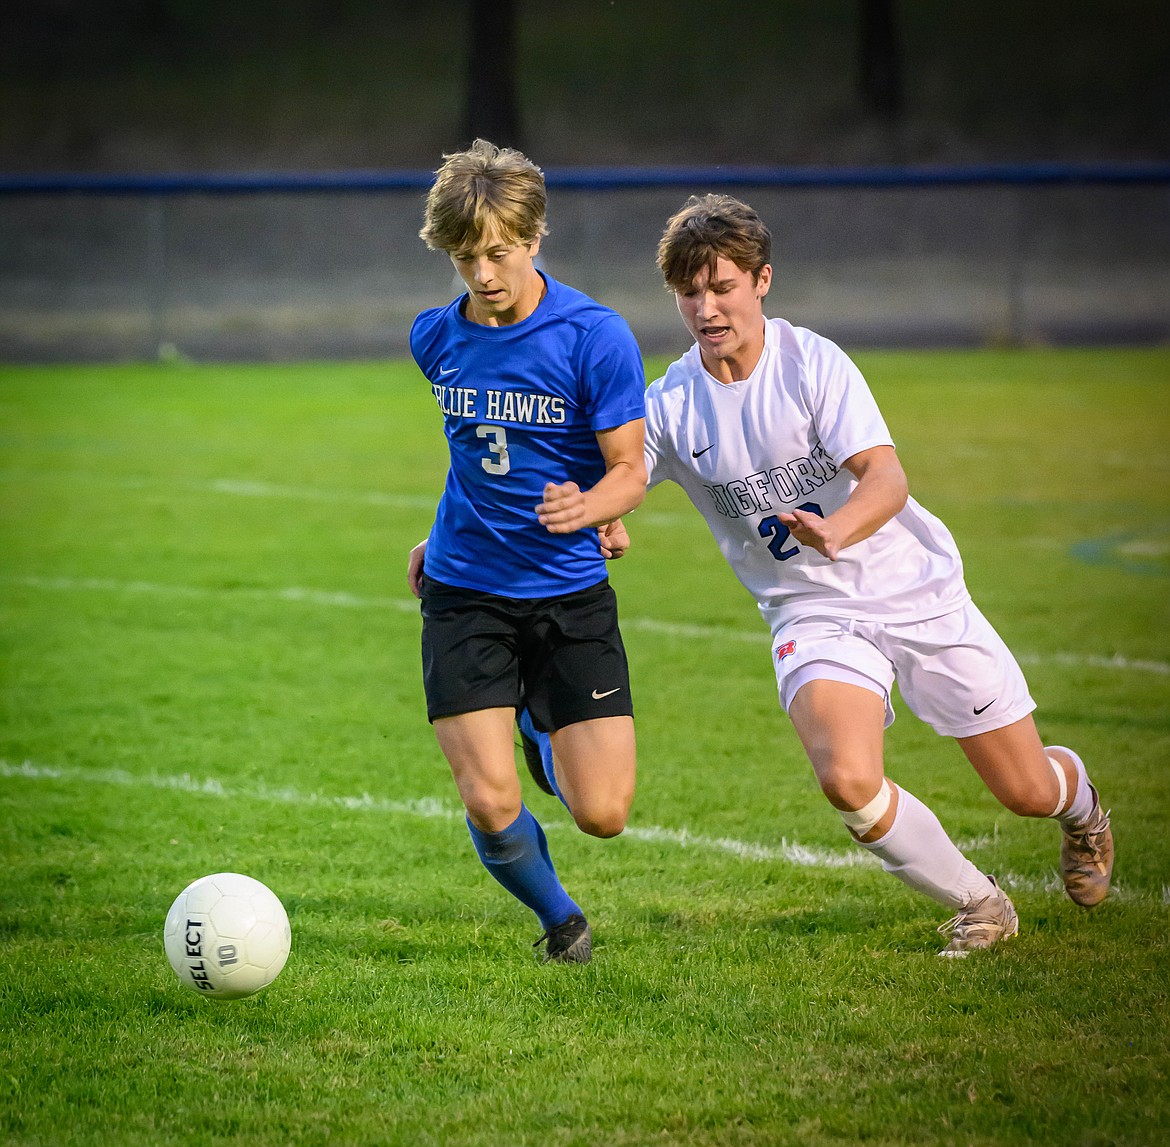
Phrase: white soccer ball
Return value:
(227, 936)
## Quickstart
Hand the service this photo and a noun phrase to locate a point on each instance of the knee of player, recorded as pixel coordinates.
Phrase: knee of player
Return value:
(602, 820)
(1027, 802)
(490, 810)
(848, 787)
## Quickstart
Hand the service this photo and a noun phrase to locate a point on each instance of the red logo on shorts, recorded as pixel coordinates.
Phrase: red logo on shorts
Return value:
(785, 650)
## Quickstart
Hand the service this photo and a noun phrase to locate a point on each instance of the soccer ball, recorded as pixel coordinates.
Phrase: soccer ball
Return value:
(227, 936)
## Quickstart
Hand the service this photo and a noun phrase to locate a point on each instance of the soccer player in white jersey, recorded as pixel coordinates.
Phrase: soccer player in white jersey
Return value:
(772, 432)
(542, 393)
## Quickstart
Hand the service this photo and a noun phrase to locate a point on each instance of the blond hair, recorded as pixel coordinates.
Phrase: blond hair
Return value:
(706, 228)
(484, 192)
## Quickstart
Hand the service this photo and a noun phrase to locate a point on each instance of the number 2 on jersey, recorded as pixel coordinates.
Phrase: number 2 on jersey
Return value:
(780, 533)
(498, 446)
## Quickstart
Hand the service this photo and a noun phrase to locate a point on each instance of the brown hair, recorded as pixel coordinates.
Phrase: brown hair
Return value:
(707, 227)
(484, 191)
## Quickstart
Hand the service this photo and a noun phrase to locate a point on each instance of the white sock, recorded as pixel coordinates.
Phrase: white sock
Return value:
(1082, 803)
(918, 852)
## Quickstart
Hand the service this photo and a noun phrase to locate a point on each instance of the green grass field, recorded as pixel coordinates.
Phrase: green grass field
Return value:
(210, 661)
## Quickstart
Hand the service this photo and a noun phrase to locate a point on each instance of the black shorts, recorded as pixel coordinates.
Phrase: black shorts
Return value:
(562, 656)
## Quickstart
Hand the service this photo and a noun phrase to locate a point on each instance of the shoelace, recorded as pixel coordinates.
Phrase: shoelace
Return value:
(552, 933)
(971, 918)
(1090, 839)
(549, 934)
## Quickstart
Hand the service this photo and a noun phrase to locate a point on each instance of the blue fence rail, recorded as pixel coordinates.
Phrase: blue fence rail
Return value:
(596, 179)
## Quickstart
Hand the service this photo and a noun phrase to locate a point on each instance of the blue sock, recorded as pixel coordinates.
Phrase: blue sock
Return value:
(518, 858)
(544, 743)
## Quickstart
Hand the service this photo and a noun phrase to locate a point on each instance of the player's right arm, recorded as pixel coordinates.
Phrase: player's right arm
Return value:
(567, 508)
(880, 493)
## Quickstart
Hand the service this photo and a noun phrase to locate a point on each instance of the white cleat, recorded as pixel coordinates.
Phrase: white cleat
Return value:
(981, 924)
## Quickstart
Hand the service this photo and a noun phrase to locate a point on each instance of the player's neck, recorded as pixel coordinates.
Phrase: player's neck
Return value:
(737, 366)
(524, 305)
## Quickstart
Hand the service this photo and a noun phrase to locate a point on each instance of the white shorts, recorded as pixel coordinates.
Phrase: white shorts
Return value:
(954, 672)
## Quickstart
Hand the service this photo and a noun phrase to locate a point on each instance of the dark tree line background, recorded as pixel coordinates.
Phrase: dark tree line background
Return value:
(491, 106)
(185, 84)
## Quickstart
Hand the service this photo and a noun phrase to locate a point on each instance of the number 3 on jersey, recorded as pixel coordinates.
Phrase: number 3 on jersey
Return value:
(498, 446)
(780, 533)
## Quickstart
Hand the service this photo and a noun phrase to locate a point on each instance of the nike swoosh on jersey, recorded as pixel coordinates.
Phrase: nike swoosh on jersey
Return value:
(598, 696)
(984, 708)
(700, 453)
(444, 371)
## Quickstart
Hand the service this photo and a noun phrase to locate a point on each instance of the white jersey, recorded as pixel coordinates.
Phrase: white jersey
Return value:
(747, 451)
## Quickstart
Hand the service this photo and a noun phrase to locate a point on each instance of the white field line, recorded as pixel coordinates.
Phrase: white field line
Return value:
(342, 599)
(245, 489)
(290, 593)
(239, 488)
(430, 808)
(427, 808)
(378, 498)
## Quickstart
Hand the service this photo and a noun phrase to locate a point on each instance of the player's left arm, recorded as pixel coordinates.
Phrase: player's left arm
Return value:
(880, 493)
(567, 508)
(414, 567)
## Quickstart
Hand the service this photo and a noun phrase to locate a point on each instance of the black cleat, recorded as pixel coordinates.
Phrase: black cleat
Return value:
(568, 943)
(535, 764)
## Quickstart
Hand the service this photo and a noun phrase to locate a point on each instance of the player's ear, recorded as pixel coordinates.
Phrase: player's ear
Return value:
(534, 247)
(764, 280)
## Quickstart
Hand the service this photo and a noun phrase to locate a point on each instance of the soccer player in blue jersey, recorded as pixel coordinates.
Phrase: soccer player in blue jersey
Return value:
(541, 391)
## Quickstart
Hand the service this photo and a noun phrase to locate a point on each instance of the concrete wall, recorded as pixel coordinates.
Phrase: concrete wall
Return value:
(341, 275)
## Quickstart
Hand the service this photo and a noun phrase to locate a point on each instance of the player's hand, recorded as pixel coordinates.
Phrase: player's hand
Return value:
(414, 568)
(614, 539)
(563, 510)
(813, 530)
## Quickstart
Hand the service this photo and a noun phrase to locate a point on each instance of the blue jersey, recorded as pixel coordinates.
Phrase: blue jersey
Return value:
(521, 406)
